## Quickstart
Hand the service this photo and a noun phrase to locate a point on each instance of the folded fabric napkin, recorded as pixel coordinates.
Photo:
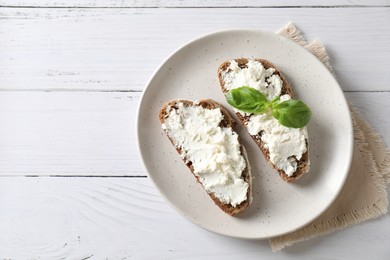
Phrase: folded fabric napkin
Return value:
(369, 172)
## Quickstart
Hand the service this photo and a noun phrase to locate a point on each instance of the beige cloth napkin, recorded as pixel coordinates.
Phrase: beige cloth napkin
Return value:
(364, 195)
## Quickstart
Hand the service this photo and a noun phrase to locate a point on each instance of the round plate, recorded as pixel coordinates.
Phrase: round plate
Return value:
(278, 207)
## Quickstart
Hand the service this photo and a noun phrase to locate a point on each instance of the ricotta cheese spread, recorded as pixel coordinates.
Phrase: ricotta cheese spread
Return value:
(254, 76)
(214, 151)
(286, 145)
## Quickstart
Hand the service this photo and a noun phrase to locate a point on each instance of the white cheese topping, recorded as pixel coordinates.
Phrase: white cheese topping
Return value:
(214, 151)
(286, 145)
(282, 142)
(254, 76)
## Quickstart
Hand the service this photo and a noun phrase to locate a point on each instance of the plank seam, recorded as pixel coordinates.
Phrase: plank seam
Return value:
(197, 7)
(140, 91)
(74, 176)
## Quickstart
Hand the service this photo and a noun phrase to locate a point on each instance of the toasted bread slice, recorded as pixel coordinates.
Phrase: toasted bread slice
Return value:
(303, 164)
(226, 122)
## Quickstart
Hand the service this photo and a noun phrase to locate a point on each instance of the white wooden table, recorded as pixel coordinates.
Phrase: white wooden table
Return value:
(71, 74)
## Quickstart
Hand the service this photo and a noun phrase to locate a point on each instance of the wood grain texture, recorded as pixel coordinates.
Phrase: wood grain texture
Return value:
(111, 218)
(194, 3)
(68, 133)
(119, 49)
(93, 133)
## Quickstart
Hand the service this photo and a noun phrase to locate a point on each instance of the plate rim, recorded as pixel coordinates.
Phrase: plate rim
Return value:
(349, 124)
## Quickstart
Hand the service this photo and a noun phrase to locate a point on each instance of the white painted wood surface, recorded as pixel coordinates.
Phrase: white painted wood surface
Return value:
(126, 218)
(118, 49)
(71, 75)
(192, 3)
(68, 133)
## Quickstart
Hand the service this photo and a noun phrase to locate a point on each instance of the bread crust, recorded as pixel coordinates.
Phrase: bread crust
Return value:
(303, 165)
(228, 122)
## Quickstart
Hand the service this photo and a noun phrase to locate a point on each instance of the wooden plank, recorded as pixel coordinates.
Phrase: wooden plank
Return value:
(196, 3)
(118, 49)
(68, 133)
(126, 218)
(93, 133)
(375, 109)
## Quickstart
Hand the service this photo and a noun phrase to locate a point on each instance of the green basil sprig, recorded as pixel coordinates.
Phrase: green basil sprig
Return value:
(290, 113)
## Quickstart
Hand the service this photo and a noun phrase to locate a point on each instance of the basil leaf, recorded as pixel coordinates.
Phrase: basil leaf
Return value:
(247, 99)
(292, 113)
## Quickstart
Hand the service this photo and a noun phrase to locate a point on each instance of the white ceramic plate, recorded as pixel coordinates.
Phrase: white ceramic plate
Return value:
(278, 207)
